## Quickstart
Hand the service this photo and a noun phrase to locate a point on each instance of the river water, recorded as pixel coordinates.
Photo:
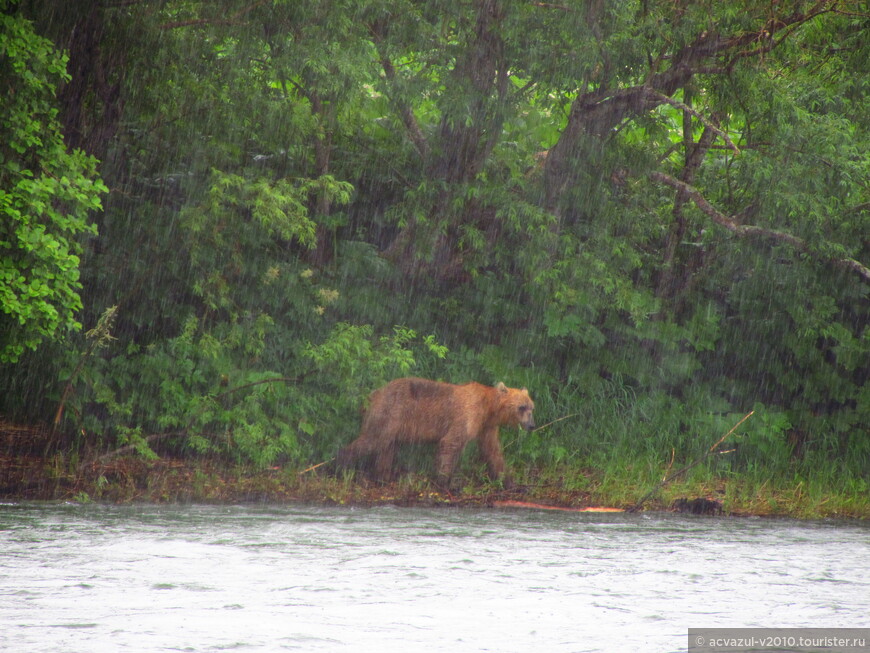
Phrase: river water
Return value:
(95, 578)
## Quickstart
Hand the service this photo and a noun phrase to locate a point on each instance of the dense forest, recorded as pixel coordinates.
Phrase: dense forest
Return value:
(223, 224)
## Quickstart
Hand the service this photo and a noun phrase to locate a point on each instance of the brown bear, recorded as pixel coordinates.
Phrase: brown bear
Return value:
(419, 410)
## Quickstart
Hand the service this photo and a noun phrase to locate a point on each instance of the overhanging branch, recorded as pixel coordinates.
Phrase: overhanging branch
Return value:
(232, 20)
(597, 113)
(707, 123)
(406, 112)
(751, 230)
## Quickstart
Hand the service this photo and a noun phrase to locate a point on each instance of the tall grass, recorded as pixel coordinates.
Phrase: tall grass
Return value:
(617, 447)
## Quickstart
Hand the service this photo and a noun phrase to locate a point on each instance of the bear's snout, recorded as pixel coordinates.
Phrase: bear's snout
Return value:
(528, 423)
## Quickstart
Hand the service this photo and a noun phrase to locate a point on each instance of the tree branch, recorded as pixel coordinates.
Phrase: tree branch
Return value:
(679, 105)
(406, 113)
(213, 21)
(750, 230)
(695, 153)
(599, 112)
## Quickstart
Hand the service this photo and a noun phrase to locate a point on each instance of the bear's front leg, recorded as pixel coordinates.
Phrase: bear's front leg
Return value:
(490, 450)
(449, 450)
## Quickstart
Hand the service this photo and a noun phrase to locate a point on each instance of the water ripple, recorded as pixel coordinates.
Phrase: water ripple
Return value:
(263, 578)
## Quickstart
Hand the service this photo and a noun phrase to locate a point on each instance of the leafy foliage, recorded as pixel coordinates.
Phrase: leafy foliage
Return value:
(46, 193)
(655, 216)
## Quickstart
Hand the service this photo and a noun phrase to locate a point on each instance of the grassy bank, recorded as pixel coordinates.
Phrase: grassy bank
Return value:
(618, 479)
(743, 494)
(130, 479)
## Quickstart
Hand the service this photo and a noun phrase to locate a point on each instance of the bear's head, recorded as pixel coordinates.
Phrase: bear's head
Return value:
(516, 407)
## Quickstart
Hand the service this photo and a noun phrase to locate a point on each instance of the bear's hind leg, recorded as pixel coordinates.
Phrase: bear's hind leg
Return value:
(348, 456)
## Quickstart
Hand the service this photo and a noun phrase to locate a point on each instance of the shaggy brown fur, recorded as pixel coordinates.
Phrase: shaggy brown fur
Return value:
(419, 410)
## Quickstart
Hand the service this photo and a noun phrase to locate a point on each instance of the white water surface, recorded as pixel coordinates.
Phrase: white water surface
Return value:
(93, 578)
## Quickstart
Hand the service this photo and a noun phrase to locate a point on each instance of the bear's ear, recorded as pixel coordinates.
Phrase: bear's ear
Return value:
(525, 390)
(501, 387)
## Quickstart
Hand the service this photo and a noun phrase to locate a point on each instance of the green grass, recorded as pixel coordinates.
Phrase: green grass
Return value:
(801, 491)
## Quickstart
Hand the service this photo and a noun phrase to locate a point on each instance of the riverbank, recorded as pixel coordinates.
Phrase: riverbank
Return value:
(123, 476)
(170, 480)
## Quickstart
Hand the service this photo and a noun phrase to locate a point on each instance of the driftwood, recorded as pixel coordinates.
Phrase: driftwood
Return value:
(542, 506)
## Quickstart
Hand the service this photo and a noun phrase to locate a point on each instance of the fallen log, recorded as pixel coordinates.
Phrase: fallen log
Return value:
(542, 506)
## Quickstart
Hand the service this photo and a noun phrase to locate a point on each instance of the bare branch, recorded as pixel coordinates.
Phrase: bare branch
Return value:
(699, 116)
(550, 5)
(405, 110)
(750, 230)
(600, 112)
(407, 114)
(209, 21)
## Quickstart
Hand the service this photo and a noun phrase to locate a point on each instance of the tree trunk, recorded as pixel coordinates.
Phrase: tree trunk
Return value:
(466, 139)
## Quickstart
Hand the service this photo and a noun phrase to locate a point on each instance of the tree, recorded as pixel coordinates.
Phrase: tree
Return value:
(654, 213)
(46, 194)
(710, 184)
